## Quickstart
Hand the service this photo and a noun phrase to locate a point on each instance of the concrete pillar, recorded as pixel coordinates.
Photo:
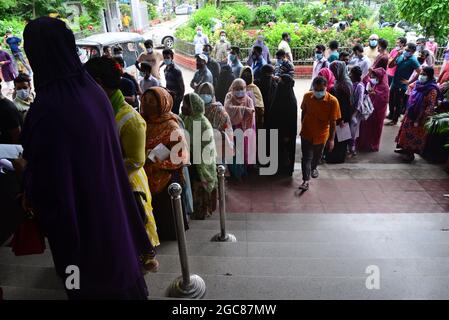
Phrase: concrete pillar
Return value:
(135, 13)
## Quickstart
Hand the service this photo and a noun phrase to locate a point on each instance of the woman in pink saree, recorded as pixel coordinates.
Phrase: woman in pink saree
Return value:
(240, 108)
(371, 129)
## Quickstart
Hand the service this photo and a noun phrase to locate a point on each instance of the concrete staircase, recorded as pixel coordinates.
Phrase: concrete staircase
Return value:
(285, 256)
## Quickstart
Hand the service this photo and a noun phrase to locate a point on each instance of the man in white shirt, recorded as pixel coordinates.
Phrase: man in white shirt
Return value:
(200, 40)
(320, 61)
(284, 45)
(359, 59)
(371, 52)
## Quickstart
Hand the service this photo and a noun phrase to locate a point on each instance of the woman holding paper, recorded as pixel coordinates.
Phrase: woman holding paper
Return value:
(371, 129)
(131, 128)
(240, 108)
(343, 91)
(163, 132)
(203, 171)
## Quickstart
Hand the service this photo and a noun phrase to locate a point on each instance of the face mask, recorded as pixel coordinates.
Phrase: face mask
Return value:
(373, 43)
(119, 55)
(398, 48)
(374, 82)
(239, 93)
(318, 56)
(280, 61)
(168, 62)
(419, 47)
(431, 39)
(222, 38)
(407, 54)
(319, 94)
(150, 50)
(232, 57)
(207, 98)
(23, 94)
(199, 33)
(422, 79)
(421, 60)
(289, 39)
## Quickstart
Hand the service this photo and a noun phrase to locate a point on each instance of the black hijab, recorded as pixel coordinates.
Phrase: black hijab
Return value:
(224, 82)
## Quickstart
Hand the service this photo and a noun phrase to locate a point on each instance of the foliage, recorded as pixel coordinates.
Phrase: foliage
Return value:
(289, 13)
(187, 32)
(389, 34)
(85, 21)
(316, 12)
(433, 16)
(237, 13)
(439, 125)
(389, 10)
(14, 24)
(93, 8)
(126, 8)
(263, 15)
(360, 10)
(203, 17)
(152, 11)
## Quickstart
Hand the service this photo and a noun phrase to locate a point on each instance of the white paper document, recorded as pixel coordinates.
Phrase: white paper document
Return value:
(344, 133)
(160, 151)
(10, 151)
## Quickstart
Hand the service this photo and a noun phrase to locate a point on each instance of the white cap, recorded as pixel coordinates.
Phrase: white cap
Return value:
(202, 56)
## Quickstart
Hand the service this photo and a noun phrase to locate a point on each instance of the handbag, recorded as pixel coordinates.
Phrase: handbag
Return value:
(28, 239)
(367, 107)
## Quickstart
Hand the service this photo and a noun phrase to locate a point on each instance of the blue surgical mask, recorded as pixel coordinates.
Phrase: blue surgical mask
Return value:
(407, 54)
(318, 56)
(232, 57)
(374, 82)
(422, 78)
(199, 33)
(373, 43)
(319, 94)
(23, 94)
(240, 93)
(207, 98)
(168, 62)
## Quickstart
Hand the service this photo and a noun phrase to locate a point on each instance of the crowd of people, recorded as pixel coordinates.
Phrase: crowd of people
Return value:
(94, 170)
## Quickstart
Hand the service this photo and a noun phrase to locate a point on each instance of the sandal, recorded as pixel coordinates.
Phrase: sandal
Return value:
(304, 186)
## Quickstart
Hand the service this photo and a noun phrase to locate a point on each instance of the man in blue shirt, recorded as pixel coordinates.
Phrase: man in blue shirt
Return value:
(406, 63)
(258, 61)
(14, 44)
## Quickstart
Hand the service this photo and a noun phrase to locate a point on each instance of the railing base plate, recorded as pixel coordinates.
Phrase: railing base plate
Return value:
(196, 290)
(228, 238)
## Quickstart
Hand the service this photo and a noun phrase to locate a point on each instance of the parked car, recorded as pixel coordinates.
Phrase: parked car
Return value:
(131, 43)
(163, 36)
(403, 26)
(184, 9)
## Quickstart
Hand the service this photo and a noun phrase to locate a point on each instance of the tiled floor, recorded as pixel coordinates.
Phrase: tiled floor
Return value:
(404, 193)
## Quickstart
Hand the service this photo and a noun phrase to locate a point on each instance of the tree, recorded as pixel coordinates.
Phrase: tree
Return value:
(431, 15)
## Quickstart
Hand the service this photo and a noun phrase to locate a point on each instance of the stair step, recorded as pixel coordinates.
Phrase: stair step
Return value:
(288, 288)
(305, 267)
(324, 226)
(21, 293)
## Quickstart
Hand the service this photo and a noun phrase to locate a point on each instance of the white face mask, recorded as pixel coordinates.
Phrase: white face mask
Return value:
(374, 82)
(422, 78)
(223, 38)
(150, 50)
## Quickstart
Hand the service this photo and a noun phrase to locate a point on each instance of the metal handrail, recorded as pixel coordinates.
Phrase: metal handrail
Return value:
(223, 236)
(185, 286)
(301, 55)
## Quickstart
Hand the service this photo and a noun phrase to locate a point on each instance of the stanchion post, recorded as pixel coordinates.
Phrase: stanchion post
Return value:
(185, 286)
(222, 236)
